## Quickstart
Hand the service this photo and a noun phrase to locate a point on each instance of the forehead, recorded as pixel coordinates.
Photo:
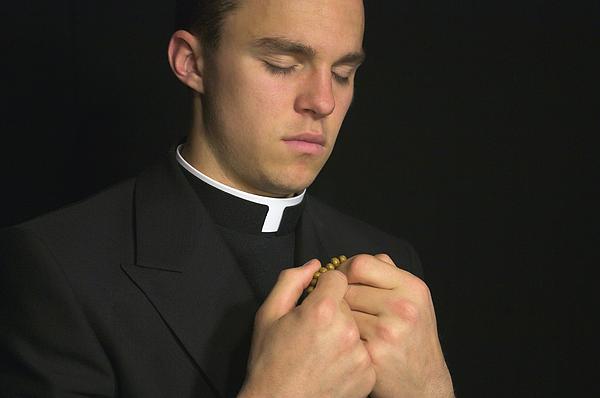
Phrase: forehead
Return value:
(330, 26)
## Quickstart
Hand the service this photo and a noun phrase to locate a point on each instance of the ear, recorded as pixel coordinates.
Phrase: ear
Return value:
(186, 59)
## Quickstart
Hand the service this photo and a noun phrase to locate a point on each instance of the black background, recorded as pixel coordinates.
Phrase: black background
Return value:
(470, 135)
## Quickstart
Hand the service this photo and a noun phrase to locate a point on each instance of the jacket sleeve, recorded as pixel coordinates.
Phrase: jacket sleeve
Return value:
(47, 346)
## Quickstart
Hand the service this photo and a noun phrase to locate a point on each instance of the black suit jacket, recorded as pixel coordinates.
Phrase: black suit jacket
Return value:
(133, 292)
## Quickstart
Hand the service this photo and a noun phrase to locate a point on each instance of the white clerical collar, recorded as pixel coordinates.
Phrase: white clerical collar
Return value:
(276, 205)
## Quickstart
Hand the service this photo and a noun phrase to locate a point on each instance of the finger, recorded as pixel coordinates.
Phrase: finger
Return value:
(366, 324)
(367, 299)
(385, 258)
(332, 283)
(345, 309)
(286, 292)
(370, 270)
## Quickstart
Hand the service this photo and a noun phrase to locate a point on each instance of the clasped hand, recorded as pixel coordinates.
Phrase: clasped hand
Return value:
(368, 328)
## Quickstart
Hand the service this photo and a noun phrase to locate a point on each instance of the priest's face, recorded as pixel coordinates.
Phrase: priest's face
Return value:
(276, 91)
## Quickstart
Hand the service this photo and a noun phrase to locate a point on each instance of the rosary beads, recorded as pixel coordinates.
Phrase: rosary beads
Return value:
(335, 262)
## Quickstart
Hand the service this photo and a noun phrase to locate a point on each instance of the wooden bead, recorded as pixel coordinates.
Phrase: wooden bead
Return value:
(335, 262)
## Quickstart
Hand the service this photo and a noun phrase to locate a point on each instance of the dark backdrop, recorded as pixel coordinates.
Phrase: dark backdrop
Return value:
(469, 136)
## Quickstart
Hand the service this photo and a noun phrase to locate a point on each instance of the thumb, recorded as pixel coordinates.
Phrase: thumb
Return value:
(286, 292)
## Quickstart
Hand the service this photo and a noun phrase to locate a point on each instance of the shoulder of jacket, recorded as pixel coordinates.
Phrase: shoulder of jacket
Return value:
(92, 225)
(109, 201)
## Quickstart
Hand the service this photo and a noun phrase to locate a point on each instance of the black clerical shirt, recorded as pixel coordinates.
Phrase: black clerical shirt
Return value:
(261, 255)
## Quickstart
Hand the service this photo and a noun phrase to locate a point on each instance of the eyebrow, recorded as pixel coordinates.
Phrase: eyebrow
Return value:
(286, 46)
(353, 58)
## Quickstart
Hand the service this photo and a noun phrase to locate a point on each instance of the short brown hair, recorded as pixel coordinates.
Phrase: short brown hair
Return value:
(204, 18)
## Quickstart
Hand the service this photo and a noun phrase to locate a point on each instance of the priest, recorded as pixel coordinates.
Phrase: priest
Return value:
(214, 273)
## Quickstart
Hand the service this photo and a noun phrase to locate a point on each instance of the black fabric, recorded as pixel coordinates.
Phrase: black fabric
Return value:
(261, 255)
(134, 292)
(238, 214)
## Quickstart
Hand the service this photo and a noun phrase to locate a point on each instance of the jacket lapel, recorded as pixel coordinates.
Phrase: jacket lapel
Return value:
(189, 275)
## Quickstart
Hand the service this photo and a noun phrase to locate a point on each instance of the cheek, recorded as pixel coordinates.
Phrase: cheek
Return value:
(270, 100)
(261, 107)
(258, 93)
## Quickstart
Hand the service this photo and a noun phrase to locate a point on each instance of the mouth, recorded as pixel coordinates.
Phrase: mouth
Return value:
(309, 142)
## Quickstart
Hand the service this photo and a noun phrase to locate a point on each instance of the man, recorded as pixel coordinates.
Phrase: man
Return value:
(151, 288)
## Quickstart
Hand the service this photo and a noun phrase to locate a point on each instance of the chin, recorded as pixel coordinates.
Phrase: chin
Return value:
(289, 181)
(284, 190)
(295, 186)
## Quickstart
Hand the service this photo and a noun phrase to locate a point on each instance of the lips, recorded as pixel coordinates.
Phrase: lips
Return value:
(310, 143)
(312, 138)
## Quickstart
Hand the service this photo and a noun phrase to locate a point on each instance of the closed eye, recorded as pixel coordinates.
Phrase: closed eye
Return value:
(279, 70)
(341, 79)
(286, 70)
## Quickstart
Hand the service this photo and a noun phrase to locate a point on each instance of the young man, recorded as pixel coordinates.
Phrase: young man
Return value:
(152, 287)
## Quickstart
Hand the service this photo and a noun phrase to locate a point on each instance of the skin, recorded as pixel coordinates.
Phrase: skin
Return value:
(284, 68)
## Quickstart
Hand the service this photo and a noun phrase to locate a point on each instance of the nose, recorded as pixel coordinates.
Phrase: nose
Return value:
(316, 95)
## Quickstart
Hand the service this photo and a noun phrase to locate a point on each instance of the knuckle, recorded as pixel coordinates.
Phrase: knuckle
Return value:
(324, 310)
(359, 265)
(406, 310)
(418, 286)
(388, 333)
(349, 335)
(384, 257)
